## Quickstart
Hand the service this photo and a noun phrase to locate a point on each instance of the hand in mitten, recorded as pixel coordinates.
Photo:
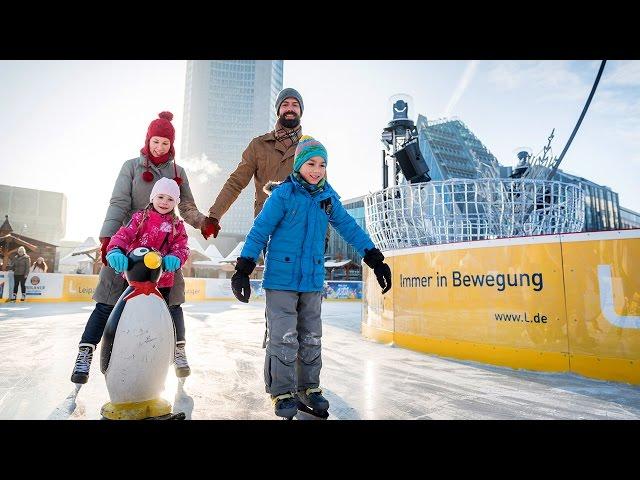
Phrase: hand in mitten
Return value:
(117, 260)
(375, 259)
(210, 226)
(240, 283)
(171, 263)
(103, 249)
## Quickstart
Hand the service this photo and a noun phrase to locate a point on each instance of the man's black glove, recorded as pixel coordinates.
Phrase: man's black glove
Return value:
(240, 281)
(375, 259)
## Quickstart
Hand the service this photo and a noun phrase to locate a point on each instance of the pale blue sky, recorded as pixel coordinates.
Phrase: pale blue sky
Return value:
(69, 125)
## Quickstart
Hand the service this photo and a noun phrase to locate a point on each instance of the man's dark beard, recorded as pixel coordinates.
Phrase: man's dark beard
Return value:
(289, 123)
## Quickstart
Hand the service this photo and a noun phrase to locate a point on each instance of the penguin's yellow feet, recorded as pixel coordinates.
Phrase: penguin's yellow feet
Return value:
(136, 410)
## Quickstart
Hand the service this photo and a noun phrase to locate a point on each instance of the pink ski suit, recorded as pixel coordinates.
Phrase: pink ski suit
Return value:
(162, 232)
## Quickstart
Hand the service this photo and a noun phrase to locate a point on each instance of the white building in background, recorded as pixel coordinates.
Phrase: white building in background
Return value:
(38, 214)
(226, 104)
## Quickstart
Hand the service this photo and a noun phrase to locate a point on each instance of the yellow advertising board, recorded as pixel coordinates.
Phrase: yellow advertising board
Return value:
(543, 303)
(378, 316)
(602, 283)
(79, 287)
(195, 289)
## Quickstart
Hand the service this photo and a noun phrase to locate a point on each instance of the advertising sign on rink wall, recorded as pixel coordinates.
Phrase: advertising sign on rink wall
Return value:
(58, 287)
(552, 303)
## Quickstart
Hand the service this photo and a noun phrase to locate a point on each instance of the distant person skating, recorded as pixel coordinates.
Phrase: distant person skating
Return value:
(20, 266)
(40, 266)
(292, 227)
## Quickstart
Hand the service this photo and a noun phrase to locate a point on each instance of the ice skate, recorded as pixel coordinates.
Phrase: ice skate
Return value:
(312, 402)
(285, 405)
(180, 361)
(83, 363)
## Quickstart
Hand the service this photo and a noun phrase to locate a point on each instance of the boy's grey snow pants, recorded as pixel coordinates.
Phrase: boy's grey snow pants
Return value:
(294, 329)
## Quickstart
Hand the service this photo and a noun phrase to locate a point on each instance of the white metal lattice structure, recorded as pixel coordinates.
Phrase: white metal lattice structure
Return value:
(457, 210)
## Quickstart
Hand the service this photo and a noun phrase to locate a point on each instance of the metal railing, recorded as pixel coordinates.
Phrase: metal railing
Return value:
(458, 210)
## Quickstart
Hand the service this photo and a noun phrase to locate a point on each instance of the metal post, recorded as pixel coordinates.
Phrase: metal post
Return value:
(394, 178)
(385, 170)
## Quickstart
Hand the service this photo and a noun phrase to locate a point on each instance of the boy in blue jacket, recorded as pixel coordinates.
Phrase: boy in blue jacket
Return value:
(292, 225)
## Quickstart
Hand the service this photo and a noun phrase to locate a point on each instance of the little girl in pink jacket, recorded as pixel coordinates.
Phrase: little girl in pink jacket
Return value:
(157, 226)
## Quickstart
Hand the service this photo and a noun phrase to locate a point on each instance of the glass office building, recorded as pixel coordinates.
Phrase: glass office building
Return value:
(226, 104)
(451, 150)
(601, 205)
(338, 248)
(629, 218)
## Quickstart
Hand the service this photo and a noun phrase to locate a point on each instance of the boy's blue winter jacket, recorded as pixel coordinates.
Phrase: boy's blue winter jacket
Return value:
(293, 226)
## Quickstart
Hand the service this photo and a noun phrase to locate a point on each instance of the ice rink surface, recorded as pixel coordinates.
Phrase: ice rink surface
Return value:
(361, 378)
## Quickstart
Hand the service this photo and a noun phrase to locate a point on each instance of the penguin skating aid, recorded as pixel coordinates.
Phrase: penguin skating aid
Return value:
(139, 345)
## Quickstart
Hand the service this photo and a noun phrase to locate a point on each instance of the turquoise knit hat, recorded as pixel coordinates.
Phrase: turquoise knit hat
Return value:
(308, 147)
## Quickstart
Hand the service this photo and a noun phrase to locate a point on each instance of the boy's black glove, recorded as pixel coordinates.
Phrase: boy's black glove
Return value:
(375, 259)
(240, 283)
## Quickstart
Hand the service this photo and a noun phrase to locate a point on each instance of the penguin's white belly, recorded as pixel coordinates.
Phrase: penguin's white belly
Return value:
(143, 350)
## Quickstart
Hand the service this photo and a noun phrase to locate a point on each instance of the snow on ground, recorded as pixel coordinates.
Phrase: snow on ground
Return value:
(361, 378)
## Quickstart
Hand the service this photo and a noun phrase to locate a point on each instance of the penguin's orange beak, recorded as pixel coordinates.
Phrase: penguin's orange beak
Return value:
(152, 260)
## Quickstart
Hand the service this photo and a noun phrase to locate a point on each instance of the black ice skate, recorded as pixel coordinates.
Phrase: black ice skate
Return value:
(83, 363)
(312, 402)
(285, 405)
(180, 361)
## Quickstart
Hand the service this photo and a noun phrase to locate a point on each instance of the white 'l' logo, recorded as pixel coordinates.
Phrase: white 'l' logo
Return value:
(606, 301)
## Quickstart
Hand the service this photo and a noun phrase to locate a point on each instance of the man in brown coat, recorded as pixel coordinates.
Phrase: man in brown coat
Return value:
(268, 157)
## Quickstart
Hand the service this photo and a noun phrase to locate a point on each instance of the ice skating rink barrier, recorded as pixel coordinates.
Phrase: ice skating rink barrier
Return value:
(58, 287)
(554, 303)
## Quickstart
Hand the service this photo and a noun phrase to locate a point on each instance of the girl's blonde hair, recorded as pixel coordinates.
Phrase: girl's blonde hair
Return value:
(145, 216)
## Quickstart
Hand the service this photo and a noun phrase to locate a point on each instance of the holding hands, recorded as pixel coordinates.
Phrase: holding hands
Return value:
(209, 227)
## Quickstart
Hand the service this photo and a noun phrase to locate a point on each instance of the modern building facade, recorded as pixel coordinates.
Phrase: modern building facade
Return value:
(601, 205)
(451, 150)
(38, 214)
(338, 248)
(629, 218)
(226, 104)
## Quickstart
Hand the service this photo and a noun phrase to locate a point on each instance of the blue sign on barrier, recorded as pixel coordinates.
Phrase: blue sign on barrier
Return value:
(349, 290)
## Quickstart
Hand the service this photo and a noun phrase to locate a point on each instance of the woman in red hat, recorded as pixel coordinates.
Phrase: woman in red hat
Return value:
(131, 193)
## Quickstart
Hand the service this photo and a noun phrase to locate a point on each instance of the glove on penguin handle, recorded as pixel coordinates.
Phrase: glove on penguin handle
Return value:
(117, 260)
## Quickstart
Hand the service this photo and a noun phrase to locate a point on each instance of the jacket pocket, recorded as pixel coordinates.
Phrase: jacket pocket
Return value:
(280, 268)
(318, 271)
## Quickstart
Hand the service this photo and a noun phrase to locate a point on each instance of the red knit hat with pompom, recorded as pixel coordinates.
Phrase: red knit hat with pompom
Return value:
(160, 127)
